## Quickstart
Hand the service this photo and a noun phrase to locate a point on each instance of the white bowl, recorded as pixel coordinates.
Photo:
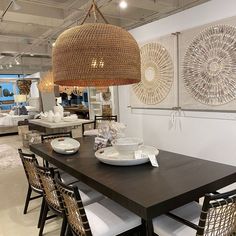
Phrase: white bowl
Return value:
(65, 145)
(127, 145)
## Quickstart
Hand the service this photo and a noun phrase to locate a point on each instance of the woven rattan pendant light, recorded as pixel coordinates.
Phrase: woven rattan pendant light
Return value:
(46, 84)
(96, 54)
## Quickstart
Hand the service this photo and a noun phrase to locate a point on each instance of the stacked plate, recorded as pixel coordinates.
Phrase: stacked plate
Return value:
(123, 152)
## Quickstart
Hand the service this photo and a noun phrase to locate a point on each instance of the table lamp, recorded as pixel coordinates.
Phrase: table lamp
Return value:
(20, 98)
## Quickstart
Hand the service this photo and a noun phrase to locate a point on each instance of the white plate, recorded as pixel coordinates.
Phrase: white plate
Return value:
(65, 145)
(111, 156)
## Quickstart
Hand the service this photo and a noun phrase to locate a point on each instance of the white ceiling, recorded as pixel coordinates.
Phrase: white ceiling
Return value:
(28, 33)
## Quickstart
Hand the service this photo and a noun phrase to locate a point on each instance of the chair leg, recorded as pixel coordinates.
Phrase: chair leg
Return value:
(27, 200)
(43, 220)
(63, 226)
(68, 231)
(41, 212)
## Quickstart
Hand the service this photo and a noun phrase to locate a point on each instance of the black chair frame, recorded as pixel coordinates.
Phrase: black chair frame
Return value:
(222, 200)
(30, 187)
(98, 118)
(138, 231)
(48, 207)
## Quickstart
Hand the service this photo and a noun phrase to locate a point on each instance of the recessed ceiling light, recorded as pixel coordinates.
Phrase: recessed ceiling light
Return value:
(10, 65)
(123, 4)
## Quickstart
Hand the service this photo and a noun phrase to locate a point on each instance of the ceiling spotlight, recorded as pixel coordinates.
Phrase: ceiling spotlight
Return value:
(31, 54)
(15, 5)
(53, 44)
(123, 4)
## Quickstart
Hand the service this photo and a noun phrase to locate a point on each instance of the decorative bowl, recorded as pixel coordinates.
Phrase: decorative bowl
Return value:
(65, 145)
(127, 145)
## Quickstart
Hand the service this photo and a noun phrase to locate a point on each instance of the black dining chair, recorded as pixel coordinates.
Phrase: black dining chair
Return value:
(52, 196)
(97, 120)
(217, 217)
(29, 161)
(47, 138)
(102, 218)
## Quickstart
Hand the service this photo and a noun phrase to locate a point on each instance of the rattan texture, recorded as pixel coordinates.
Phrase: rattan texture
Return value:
(29, 163)
(48, 185)
(219, 219)
(76, 215)
(96, 54)
(46, 84)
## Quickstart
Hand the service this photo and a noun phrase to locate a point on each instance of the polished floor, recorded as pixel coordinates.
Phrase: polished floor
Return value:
(13, 187)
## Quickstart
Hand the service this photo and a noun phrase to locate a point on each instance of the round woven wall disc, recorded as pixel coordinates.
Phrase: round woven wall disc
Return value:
(209, 70)
(156, 74)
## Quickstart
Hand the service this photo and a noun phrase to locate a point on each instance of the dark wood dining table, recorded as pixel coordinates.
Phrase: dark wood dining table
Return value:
(145, 190)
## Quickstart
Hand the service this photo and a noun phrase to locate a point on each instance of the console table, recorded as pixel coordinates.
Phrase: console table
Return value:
(60, 127)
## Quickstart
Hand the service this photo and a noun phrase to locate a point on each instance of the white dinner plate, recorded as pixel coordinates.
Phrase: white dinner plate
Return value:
(110, 156)
(65, 145)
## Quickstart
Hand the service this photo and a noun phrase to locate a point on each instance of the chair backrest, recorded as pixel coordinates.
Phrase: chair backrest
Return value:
(48, 184)
(29, 161)
(100, 119)
(45, 138)
(74, 209)
(218, 216)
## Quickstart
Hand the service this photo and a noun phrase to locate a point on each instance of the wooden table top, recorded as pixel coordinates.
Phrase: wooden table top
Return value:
(145, 190)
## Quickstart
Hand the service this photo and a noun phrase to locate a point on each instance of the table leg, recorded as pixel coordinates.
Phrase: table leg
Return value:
(148, 227)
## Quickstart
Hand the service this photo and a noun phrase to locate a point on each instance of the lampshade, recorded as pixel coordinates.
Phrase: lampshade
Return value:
(20, 98)
(96, 54)
(46, 84)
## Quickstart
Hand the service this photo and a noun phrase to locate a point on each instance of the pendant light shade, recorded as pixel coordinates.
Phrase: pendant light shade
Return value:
(46, 84)
(96, 54)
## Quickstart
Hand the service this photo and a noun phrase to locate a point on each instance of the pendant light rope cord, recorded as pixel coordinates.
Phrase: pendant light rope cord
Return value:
(95, 10)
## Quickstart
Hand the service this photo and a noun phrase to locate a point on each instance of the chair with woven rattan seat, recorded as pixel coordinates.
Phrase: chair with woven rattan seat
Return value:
(95, 123)
(217, 217)
(47, 138)
(29, 161)
(102, 218)
(52, 196)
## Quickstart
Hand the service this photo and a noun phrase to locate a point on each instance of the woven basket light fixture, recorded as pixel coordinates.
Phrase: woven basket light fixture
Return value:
(46, 84)
(96, 54)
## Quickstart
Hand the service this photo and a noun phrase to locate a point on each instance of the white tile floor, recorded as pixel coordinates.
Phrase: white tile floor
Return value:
(13, 187)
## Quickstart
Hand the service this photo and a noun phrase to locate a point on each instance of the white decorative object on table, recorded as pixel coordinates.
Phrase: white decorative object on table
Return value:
(111, 156)
(65, 145)
(57, 117)
(71, 118)
(111, 130)
(126, 145)
(59, 109)
(50, 116)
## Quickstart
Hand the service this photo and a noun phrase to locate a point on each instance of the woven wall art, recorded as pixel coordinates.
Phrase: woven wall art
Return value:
(157, 75)
(208, 66)
(209, 70)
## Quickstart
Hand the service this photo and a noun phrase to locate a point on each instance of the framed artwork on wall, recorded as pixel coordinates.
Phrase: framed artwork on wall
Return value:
(207, 79)
(158, 85)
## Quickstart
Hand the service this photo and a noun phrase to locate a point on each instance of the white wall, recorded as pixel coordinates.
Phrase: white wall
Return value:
(209, 136)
